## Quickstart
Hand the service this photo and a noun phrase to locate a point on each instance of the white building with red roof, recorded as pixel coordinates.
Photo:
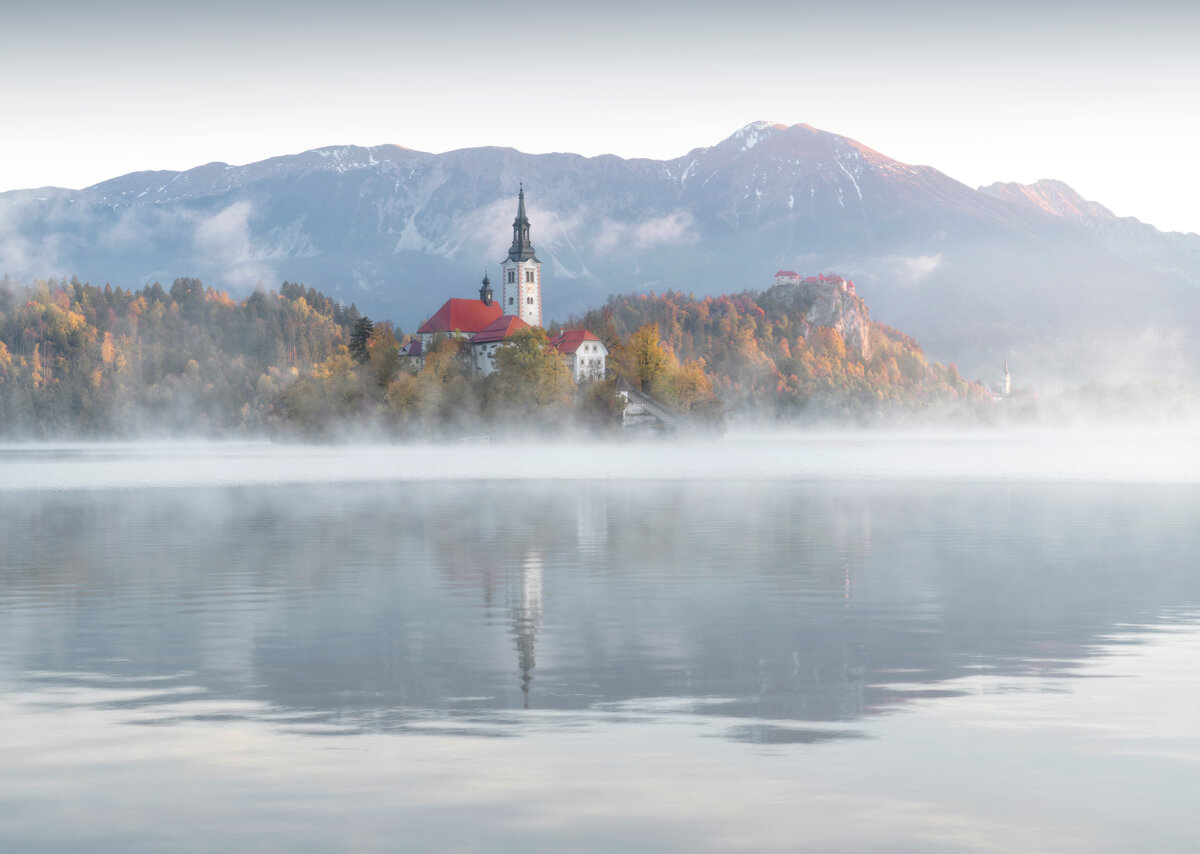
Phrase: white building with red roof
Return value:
(487, 341)
(489, 324)
(584, 353)
(461, 318)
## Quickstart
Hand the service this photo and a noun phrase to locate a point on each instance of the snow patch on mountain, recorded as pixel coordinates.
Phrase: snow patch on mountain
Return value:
(853, 180)
(755, 132)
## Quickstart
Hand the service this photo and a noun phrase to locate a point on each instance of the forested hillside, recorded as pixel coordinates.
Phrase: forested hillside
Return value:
(80, 360)
(764, 357)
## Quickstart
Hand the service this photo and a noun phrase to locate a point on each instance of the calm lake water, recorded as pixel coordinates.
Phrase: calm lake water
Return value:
(810, 643)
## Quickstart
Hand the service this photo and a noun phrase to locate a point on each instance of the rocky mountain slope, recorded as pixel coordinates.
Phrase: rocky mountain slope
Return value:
(976, 275)
(1126, 237)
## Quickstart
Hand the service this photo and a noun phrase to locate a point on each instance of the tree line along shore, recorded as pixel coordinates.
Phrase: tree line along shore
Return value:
(78, 360)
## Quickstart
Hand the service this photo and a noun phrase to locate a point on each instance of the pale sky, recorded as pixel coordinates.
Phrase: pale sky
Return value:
(1103, 95)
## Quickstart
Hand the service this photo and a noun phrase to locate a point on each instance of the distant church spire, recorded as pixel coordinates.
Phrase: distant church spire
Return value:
(485, 291)
(521, 249)
(1007, 379)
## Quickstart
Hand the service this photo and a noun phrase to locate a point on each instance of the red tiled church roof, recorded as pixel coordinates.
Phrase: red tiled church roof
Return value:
(501, 328)
(463, 315)
(570, 340)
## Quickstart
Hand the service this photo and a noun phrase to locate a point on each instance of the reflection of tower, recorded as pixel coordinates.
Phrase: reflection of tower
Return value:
(1007, 380)
(591, 520)
(525, 610)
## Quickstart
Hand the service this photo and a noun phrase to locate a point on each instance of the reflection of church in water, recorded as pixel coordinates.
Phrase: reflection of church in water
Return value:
(811, 663)
(525, 585)
(525, 616)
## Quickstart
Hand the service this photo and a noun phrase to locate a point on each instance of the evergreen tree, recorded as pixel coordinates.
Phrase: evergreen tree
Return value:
(360, 338)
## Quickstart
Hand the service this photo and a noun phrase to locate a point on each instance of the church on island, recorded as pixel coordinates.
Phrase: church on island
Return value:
(488, 324)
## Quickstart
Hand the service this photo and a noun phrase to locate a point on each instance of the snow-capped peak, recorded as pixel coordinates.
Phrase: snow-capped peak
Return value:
(755, 132)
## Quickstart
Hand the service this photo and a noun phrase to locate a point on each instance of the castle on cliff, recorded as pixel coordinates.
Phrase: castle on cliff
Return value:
(788, 277)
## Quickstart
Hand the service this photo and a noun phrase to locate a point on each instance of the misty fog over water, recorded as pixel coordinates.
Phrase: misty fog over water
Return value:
(828, 642)
(1164, 455)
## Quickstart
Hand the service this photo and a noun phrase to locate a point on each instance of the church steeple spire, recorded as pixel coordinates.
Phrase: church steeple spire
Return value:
(521, 249)
(522, 272)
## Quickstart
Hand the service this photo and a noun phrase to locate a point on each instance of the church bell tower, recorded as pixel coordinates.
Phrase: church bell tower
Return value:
(521, 272)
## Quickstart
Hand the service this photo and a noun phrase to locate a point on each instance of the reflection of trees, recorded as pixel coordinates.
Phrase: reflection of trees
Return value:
(808, 602)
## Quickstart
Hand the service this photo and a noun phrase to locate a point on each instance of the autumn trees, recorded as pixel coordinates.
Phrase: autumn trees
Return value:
(530, 388)
(690, 352)
(76, 359)
(82, 360)
(530, 382)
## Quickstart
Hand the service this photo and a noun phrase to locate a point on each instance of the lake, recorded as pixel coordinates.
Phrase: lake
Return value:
(774, 642)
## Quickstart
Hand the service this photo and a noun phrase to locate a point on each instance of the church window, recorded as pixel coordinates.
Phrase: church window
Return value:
(529, 276)
(529, 300)
(510, 300)
(512, 277)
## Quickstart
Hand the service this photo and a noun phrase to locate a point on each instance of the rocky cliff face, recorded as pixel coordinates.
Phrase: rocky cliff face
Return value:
(812, 305)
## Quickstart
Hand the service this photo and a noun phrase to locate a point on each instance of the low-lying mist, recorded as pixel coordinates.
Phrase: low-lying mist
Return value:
(1163, 455)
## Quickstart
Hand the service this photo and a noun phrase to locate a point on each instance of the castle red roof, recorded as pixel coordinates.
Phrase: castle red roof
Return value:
(570, 340)
(787, 273)
(463, 315)
(500, 329)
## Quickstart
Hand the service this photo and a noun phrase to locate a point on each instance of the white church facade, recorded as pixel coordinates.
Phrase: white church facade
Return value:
(488, 324)
(521, 272)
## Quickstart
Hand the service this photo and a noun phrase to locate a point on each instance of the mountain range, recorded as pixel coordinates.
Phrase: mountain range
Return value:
(1036, 274)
